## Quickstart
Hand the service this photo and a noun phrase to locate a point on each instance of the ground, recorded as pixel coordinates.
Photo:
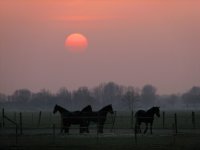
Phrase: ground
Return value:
(120, 139)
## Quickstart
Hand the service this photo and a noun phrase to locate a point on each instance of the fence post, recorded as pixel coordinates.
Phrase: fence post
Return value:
(16, 134)
(39, 119)
(15, 116)
(32, 118)
(132, 119)
(163, 119)
(113, 121)
(16, 129)
(3, 121)
(50, 117)
(136, 141)
(98, 127)
(193, 120)
(20, 122)
(175, 123)
(54, 133)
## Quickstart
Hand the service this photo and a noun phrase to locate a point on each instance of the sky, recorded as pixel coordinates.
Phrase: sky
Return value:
(130, 42)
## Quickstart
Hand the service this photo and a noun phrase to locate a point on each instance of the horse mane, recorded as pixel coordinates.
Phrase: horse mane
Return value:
(102, 109)
(88, 107)
(150, 109)
(61, 108)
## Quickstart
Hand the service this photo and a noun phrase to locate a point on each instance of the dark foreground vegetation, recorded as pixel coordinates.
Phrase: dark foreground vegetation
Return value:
(181, 142)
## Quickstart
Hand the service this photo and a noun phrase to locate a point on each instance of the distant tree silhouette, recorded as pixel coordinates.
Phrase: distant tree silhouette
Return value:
(43, 99)
(192, 97)
(148, 95)
(64, 98)
(173, 99)
(82, 97)
(121, 97)
(112, 93)
(3, 98)
(21, 96)
(108, 93)
(129, 98)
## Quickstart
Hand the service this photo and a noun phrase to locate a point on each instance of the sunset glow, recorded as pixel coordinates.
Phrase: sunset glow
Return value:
(76, 42)
(130, 42)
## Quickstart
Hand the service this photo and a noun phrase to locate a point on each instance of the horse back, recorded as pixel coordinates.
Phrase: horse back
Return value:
(140, 113)
(143, 116)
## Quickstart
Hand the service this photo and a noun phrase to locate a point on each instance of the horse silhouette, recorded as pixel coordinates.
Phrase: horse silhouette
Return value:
(99, 117)
(75, 117)
(146, 117)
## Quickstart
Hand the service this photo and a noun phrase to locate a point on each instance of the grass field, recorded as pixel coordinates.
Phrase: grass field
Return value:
(39, 134)
(105, 142)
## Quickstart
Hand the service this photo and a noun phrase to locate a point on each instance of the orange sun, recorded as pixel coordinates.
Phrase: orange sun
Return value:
(76, 42)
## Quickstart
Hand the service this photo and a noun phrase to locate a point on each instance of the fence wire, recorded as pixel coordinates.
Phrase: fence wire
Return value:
(44, 128)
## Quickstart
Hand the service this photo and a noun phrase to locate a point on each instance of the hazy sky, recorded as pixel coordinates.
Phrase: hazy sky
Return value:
(131, 42)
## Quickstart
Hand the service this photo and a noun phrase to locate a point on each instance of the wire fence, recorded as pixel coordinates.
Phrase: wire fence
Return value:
(121, 124)
(120, 120)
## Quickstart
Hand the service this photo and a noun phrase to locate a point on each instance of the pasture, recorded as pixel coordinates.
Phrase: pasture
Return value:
(41, 130)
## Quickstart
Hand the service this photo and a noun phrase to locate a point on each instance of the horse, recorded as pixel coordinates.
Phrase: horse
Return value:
(99, 117)
(76, 117)
(85, 119)
(62, 112)
(146, 117)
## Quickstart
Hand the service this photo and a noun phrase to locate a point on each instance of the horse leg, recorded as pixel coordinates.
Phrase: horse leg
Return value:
(87, 128)
(61, 129)
(146, 128)
(151, 127)
(101, 128)
(81, 128)
(98, 129)
(62, 126)
(138, 127)
(84, 127)
(67, 128)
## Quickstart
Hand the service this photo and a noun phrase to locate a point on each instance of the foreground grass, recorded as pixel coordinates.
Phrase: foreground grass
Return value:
(102, 142)
(39, 135)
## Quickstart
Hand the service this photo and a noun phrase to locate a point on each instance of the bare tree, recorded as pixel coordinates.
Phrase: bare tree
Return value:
(148, 95)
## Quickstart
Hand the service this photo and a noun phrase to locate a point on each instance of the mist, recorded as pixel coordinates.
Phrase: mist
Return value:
(122, 98)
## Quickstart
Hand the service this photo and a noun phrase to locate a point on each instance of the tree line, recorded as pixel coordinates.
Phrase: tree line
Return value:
(121, 97)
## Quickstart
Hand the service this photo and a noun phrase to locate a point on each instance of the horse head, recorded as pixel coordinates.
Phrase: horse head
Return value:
(157, 111)
(110, 109)
(88, 108)
(55, 109)
(107, 108)
(59, 109)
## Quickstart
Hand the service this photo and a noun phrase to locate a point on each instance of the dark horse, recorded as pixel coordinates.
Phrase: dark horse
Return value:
(76, 117)
(99, 117)
(146, 117)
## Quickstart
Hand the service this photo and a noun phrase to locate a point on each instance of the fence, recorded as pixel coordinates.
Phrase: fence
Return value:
(46, 124)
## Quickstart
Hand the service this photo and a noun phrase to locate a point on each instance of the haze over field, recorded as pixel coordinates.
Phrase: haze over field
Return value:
(130, 42)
